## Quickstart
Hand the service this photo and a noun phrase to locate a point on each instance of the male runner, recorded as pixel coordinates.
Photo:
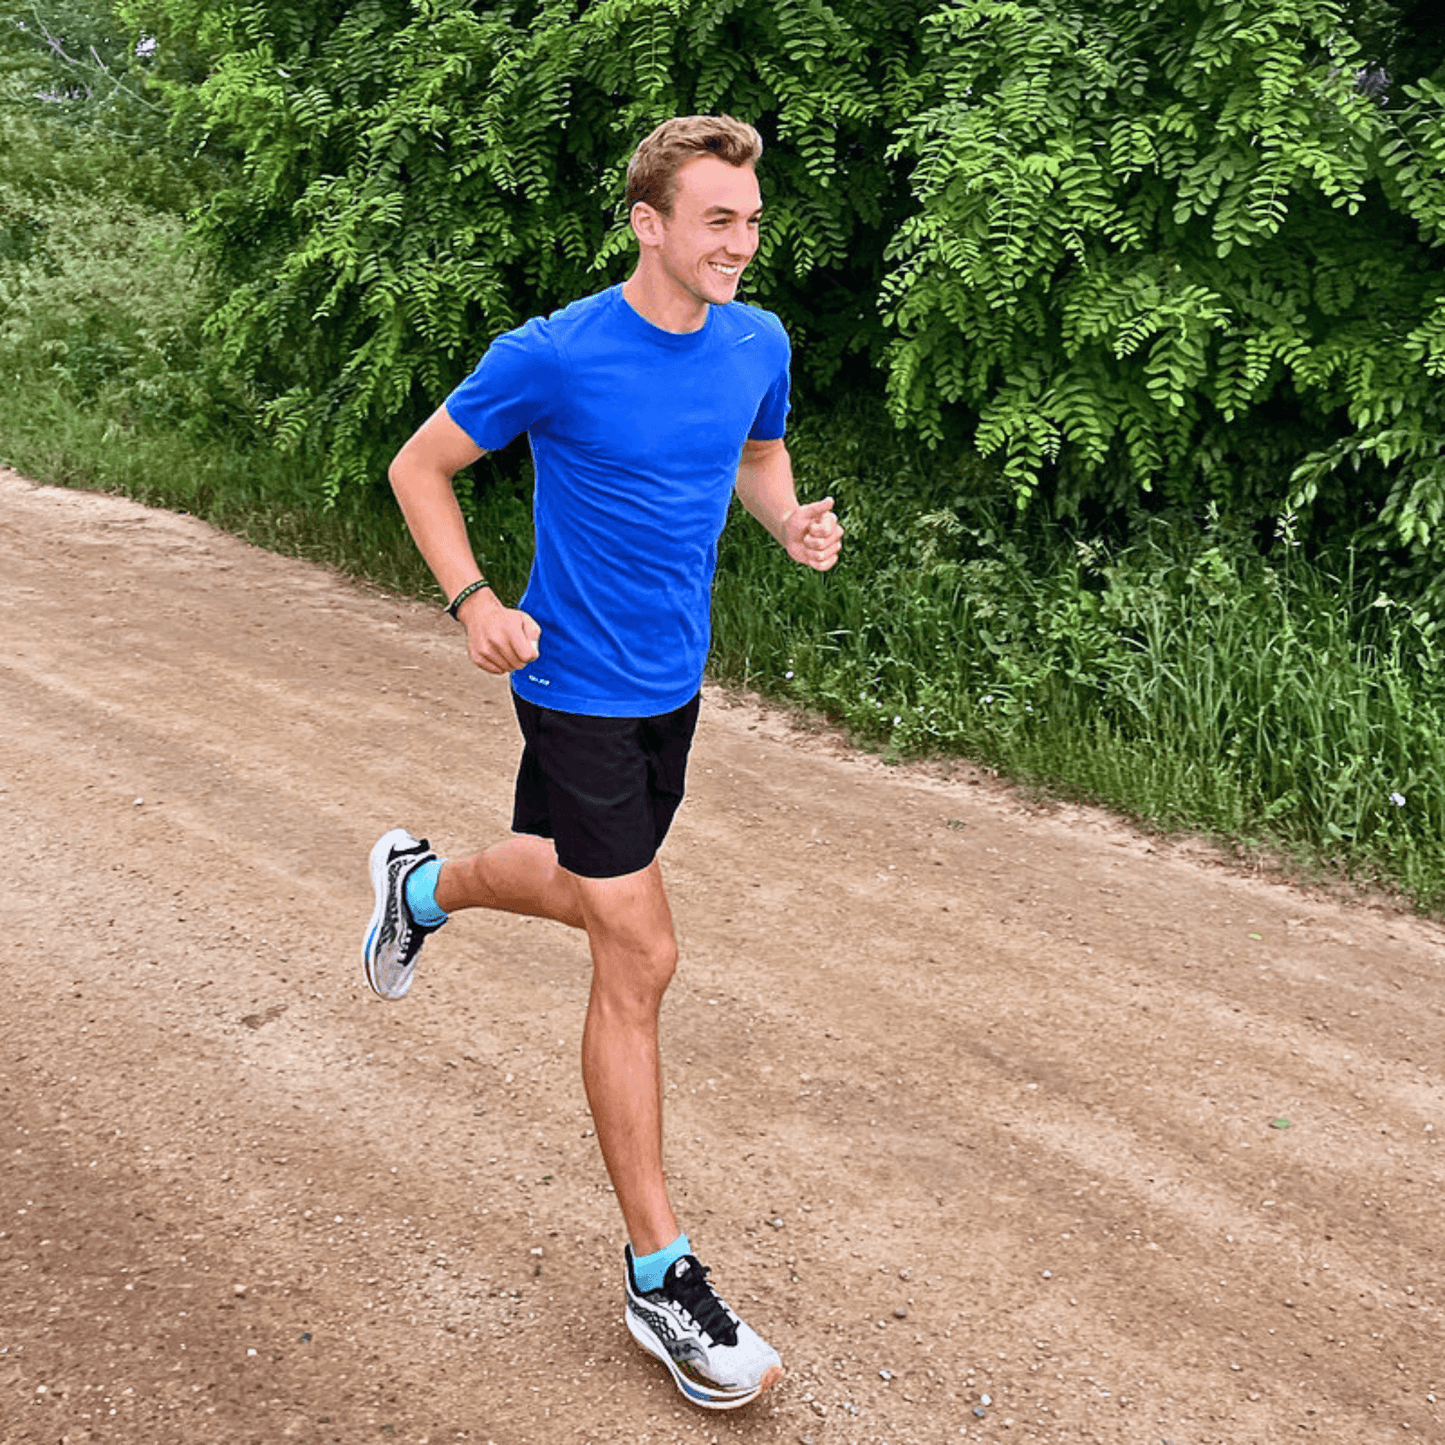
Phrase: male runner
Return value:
(646, 406)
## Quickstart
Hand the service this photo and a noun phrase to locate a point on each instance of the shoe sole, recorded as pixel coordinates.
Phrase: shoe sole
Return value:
(691, 1390)
(380, 854)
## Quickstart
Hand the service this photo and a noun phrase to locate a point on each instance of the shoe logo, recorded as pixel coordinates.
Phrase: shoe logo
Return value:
(679, 1345)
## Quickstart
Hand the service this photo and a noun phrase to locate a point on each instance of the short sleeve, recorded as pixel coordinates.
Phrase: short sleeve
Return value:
(514, 388)
(771, 420)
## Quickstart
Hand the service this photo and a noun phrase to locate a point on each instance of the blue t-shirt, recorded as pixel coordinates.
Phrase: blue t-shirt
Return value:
(636, 434)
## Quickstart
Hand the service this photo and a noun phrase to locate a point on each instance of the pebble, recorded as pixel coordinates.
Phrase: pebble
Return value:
(900, 1313)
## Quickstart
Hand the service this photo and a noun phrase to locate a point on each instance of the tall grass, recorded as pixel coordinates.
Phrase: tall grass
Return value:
(1179, 676)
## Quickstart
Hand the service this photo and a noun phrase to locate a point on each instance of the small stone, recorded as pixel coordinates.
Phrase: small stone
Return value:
(985, 1399)
(239, 1290)
(980, 1412)
(900, 1313)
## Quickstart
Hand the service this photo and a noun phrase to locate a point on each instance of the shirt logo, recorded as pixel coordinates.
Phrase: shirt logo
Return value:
(540, 681)
(742, 339)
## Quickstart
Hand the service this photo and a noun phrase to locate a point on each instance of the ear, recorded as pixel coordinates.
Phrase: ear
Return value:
(646, 223)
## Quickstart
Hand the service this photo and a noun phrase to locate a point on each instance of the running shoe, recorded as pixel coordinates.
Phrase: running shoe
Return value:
(716, 1360)
(393, 937)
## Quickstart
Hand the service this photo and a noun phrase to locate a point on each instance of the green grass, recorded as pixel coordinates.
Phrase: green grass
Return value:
(270, 499)
(1178, 676)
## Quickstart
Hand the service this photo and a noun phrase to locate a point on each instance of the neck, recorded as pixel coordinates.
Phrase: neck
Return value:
(667, 307)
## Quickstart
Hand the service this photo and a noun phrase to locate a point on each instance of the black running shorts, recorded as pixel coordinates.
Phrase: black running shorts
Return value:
(603, 789)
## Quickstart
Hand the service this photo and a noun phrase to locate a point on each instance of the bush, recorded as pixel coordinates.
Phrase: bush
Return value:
(1187, 247)
(1179, 250)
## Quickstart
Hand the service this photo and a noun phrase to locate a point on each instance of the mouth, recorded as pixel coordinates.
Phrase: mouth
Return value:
(723, 270)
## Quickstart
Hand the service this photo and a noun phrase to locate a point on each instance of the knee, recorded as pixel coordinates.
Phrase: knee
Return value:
(634, 977)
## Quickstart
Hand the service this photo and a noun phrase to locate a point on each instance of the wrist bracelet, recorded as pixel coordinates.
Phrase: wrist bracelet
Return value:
(463, 595)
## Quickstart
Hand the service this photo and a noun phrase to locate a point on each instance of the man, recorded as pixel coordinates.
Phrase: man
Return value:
(646, 406)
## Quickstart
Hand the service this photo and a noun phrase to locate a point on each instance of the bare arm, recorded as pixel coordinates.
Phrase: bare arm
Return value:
(809, 534)
(499, 638)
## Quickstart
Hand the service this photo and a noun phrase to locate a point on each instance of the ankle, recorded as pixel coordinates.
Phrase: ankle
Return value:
(648, 1269)
(420, 894)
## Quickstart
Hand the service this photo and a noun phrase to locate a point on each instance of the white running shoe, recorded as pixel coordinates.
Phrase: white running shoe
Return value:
(716, 1360)
(393, 937)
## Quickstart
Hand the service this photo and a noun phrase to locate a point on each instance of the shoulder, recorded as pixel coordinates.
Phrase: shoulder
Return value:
(552, 331)
(740, 316)
(741, 322)
(579, 317)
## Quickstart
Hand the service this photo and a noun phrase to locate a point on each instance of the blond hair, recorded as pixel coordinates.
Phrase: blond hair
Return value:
(652, 171)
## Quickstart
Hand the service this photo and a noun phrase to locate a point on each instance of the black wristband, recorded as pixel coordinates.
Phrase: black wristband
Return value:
(463, 595)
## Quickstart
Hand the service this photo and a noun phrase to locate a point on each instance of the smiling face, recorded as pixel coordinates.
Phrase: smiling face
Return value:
(693, 258)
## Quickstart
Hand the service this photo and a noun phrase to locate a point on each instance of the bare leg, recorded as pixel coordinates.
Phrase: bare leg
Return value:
(519, 875)
(634, 953)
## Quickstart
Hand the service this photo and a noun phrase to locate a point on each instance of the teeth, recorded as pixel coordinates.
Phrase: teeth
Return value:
(725, 270)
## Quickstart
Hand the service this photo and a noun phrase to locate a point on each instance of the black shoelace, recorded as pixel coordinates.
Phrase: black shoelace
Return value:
(689, 1288)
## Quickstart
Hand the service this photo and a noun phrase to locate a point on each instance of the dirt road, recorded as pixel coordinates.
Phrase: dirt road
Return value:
(1004, 1124)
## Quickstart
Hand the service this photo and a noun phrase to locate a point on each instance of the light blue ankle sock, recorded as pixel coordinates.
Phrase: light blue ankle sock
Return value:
(420, 892)
(649, 1270)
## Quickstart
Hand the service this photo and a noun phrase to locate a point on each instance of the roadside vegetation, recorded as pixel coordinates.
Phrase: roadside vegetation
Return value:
(1132, 407)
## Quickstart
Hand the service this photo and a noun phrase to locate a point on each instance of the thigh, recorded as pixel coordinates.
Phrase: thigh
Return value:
(584, 782)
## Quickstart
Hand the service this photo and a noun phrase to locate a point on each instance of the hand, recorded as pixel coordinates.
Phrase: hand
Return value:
(499, 639)
(812, 535)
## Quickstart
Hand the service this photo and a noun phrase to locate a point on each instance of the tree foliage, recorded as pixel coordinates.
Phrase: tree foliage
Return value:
(413, 179)
(1190, 246)
(1187, 247)
(101, 294)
